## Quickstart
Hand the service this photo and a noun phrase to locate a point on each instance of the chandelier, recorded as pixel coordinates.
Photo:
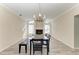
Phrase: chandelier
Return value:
(39, 16)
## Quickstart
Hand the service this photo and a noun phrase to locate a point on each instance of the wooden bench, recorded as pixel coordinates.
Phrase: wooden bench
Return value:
(23, 44)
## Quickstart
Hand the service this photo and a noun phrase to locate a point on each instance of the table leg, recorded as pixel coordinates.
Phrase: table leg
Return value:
(30, 47)
(48, 48)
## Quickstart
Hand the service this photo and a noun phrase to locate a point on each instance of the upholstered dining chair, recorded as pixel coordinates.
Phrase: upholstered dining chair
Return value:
(37, 45)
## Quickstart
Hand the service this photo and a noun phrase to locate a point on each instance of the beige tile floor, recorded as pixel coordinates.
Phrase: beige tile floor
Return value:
(56, 48)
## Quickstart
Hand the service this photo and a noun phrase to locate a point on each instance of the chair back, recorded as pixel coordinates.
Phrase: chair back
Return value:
(37, 41)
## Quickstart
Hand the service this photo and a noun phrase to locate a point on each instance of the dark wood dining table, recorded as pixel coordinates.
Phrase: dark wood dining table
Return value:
(44, 40)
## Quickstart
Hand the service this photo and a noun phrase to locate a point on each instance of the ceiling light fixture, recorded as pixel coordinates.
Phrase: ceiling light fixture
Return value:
(39, 16)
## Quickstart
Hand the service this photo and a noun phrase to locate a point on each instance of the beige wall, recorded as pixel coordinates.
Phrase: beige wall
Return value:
(63, 26)
(10, 28)
(76, 31)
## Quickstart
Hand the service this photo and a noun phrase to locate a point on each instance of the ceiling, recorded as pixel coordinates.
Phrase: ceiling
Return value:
(50, 10)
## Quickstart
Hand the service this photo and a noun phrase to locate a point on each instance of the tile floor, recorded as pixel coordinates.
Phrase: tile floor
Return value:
(56, 48)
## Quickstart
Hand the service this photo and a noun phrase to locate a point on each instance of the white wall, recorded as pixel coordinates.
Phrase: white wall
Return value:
(10, 28)
(39, 24)
(63, 26)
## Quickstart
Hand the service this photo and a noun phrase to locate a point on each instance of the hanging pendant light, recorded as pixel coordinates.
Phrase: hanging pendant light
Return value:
(39, 16)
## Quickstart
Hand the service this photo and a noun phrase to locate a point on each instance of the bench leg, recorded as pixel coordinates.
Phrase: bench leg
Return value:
(26, 49)
(19, 48)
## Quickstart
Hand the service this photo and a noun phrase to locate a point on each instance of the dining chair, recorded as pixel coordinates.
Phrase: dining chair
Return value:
(37, 45)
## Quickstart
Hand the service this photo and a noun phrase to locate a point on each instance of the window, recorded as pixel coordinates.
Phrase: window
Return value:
(47, 28)
(31, 28)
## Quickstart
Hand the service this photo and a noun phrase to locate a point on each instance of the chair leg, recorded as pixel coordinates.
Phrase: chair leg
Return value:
(33, 52)
(41, 51)
(26, 49)
(19, 48)
(48, 48)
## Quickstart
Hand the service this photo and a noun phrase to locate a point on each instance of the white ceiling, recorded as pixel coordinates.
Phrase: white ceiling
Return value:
(51, 10)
